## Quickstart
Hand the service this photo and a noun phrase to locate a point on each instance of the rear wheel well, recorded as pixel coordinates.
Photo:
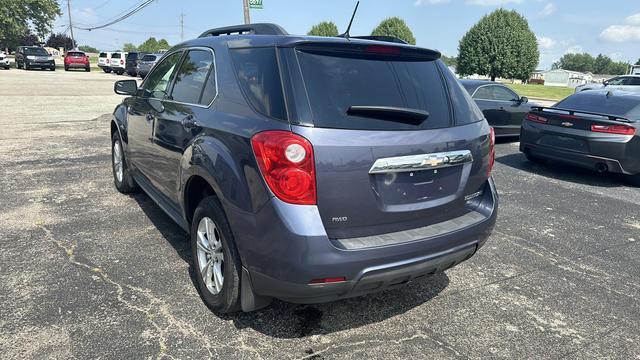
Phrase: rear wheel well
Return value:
(114, 128)
(197, 188)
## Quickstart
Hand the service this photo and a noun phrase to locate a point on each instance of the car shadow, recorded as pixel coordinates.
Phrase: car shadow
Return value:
(507, 139)
(286, 320)
(564, 172)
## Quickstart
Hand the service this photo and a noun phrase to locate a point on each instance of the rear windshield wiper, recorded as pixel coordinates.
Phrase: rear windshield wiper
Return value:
(390, 113)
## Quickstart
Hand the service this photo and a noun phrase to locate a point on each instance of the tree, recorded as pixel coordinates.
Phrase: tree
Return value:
(163, 45)
(325, 28)
(88, 49)
(129, 47)
(449, 60)
(601, 64)
(150, 45)
(395, 27)
(28, 39)
(60, 41)
(582, 62)
(638, 62)
(20, 17)
(501, 44)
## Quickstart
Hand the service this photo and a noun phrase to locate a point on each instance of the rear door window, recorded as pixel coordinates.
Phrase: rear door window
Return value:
(192, 77)
(259, 78)
(335, 83)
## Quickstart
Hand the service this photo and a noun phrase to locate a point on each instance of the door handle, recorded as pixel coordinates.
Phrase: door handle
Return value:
(150, 117)
(189, 122)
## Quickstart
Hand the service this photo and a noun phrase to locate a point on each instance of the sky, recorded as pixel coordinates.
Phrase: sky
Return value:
(610, 27)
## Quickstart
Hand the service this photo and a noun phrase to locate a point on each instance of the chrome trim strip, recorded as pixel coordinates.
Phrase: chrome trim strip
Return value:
(421, 162)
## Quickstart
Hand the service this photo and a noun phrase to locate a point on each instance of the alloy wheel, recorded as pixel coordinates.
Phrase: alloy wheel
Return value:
(210, 255)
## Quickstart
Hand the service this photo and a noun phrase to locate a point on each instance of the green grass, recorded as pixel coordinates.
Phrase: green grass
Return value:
(541, 91)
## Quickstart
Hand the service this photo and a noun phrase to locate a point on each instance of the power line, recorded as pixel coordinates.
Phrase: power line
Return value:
(121, 18)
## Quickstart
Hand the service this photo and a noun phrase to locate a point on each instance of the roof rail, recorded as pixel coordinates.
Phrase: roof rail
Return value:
(253, 29)
(381, 38)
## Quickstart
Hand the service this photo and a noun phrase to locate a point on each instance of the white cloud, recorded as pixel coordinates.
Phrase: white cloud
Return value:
(633, 19)
(546, 42)
(493, 2)
(575, 49)
(621, 33)
(429, 2)
(548, 9)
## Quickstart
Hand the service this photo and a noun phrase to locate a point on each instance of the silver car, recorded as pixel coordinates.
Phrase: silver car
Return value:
(624, 82)
(146, 63)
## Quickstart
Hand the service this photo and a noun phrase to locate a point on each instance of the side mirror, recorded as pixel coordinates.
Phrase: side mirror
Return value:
(524, 100)
(126, 87)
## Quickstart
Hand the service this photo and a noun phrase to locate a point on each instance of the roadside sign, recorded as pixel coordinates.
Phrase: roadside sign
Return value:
(255, 4)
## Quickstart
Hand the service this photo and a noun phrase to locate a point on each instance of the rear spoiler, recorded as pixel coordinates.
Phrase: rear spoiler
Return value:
(573, 112)
(390, 51)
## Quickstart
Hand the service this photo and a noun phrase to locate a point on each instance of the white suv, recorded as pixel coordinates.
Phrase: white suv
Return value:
(4, 61)
(104, 61)
(118, 62)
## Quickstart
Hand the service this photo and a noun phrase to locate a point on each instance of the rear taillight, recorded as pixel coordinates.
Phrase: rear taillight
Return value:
(121, 62)
(492, 151)
(107, 61)
(536, 118)
(383, 50)
(614, 129)
(287, 165)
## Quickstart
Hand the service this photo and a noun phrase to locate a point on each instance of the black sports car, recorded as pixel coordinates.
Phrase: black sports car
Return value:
(503, 108)
(596, 129)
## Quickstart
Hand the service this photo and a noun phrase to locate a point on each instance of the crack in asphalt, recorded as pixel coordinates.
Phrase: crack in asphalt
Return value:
(155, 303)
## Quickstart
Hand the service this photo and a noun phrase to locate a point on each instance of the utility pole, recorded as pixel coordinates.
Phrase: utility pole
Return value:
(247, 17)
(181, 27)
(73, 39)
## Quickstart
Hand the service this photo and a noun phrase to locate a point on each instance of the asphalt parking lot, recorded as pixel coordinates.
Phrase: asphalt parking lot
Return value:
(86, 272)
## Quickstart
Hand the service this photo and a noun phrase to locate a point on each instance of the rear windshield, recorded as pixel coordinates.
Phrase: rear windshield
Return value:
(103, 55)
(598, 102)
(335, 83)
(36, 51)
(115, 56)
(149, 58)
(75, 53)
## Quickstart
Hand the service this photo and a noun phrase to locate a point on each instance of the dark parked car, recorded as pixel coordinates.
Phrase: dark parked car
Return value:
(146, 63)
(295, 175)
(503, 108)
(596, 129)
(29, 57)
(133, 58)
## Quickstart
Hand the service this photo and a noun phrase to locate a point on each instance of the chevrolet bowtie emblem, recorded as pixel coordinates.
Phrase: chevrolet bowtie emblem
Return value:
(435, 161)
(567, 124)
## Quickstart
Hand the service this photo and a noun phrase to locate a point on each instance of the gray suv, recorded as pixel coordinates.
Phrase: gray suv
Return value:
(307, 169)
(145, 64)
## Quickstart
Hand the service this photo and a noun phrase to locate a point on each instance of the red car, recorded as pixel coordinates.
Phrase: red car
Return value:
(76, 59)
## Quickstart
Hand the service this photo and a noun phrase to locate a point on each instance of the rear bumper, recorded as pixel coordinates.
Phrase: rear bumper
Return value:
(618, 152)
(77, 65)
(103, 66)
(290, 248)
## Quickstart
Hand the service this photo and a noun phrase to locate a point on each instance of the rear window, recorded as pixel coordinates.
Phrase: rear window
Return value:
(259, 78)
(598, 102)
(335, 83)
(104, 55)
(149, 58)
(115, 56)
(75, 53)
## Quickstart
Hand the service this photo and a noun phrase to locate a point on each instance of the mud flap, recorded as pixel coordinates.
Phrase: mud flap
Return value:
(250, 301)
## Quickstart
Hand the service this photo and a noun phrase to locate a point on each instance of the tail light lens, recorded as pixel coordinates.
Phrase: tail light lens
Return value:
(492, 151)
(287, 165)
(121, 62)
(536, 118)
(330, 280)
(614, 129)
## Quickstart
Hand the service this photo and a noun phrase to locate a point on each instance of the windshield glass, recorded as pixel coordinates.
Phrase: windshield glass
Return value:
(75, 53)
(36, 51)
(149, 58)
(336, 83)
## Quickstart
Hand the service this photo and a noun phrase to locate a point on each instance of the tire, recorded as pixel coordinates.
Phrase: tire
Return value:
(124, 182)
(25, 66)
(52, 69)
(225, 298)
(87, 69)
(535, 159)
(108, 71)
(66, 68)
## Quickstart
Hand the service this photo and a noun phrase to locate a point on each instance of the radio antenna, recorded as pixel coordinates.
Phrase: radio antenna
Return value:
(346, 33)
